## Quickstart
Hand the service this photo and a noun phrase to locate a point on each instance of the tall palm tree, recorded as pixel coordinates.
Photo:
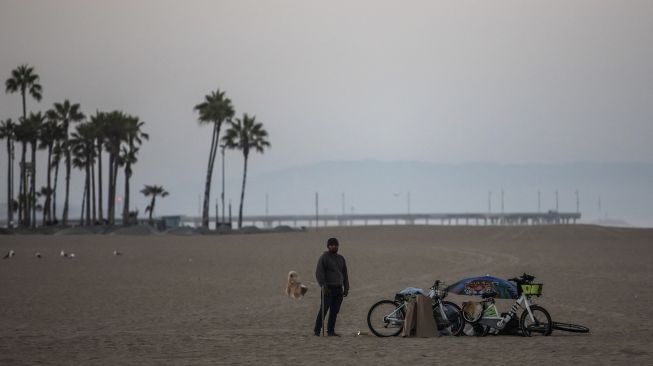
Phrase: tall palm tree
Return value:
(216, 109)
(24, 80)
(246, 135)
(66, 113)
(135, 137)
(99, 121)
(82, 143)
(34, 125)
(21, 134)
(50, 134)
(57, 154)
(114, 136)
(7, 131)
(153, 191)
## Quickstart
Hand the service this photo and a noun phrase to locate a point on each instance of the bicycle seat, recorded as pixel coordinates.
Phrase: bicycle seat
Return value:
(489, 294)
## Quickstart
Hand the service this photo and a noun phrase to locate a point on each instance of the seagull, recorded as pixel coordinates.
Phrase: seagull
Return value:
(37, 254)
(10, 254)
(63, 254)
(115, 252)
(71, 255)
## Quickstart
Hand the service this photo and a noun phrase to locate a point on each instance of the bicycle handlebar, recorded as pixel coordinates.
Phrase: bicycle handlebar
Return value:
(523, 278)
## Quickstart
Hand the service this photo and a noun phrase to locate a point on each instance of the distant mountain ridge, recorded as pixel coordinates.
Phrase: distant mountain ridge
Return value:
(382, 187)
(625, 189)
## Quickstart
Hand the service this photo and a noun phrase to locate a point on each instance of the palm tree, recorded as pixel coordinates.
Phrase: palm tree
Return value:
(82, 143)
(216, 109)
(50, 134)
(24, 80)
(153, 191)
(57, 154)
(65, 113)
(246, 134)
(114, 135)
(34, 124)
(21, 134)
(7, 131)
(135, 138)
(99, 121)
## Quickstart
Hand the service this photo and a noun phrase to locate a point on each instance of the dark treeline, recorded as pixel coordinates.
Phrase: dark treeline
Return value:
(101, 147)
(74, 140)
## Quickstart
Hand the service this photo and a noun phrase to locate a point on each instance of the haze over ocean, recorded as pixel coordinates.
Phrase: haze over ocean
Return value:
(440, 82)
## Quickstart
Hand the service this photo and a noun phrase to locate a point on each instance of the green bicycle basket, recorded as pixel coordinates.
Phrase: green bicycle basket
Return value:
(532, 289)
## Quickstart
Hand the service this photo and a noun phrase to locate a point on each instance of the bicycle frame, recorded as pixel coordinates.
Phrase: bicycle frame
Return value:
(492, 318)
(394, 320)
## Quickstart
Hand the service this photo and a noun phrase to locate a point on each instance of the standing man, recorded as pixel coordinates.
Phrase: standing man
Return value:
(331, 275)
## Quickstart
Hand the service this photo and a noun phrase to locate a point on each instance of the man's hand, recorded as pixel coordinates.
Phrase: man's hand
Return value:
(327, 291)
(344, 294)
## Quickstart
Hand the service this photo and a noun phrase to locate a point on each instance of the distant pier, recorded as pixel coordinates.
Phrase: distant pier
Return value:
(477, 219)
(518, 218)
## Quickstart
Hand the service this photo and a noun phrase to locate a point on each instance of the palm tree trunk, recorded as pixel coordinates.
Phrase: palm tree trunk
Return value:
(111, 159)
(67, 152)
(23, 179)
(152, 207)
(88, 191)
(242, 196)
(125, 206)
(99, 182)
(10, 183)
(81, 215)
(21, 189)
(114, 190)
(113, 177)
(93, 192)
(47, 217)
(209, 172)
(54, 192)
(33, 185)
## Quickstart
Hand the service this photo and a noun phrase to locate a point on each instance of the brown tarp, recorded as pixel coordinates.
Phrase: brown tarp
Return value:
(419, 317)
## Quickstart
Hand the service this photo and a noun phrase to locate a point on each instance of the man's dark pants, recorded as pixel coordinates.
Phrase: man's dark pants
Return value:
(332, 303)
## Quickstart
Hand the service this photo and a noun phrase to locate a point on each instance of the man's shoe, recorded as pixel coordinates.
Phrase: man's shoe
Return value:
(317, 334)
(333, 334)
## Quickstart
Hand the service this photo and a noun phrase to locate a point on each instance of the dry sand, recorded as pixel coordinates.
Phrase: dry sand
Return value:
(219, 299)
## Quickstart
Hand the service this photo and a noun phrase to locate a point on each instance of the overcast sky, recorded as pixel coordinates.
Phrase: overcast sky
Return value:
(437, 81)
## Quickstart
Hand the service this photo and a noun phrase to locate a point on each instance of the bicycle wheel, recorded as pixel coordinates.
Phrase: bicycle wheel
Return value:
(567, 327)
(540, 324)
(386, 318)
(452, 323)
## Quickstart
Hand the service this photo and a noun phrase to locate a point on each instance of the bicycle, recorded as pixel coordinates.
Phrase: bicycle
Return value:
(386, 317)
(483, 316)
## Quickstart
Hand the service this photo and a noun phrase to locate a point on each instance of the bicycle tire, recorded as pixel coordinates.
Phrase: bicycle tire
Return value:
(451, 309)
(547, 325)
(378, 333)
(568, 327)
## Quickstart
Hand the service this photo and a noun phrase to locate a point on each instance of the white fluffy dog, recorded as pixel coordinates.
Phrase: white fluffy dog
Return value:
(295, 289)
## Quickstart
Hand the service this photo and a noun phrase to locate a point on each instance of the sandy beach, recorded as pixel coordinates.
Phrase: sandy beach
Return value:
(198, 300)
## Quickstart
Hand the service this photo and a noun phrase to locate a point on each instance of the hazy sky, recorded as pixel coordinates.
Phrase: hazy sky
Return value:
(439, 81)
